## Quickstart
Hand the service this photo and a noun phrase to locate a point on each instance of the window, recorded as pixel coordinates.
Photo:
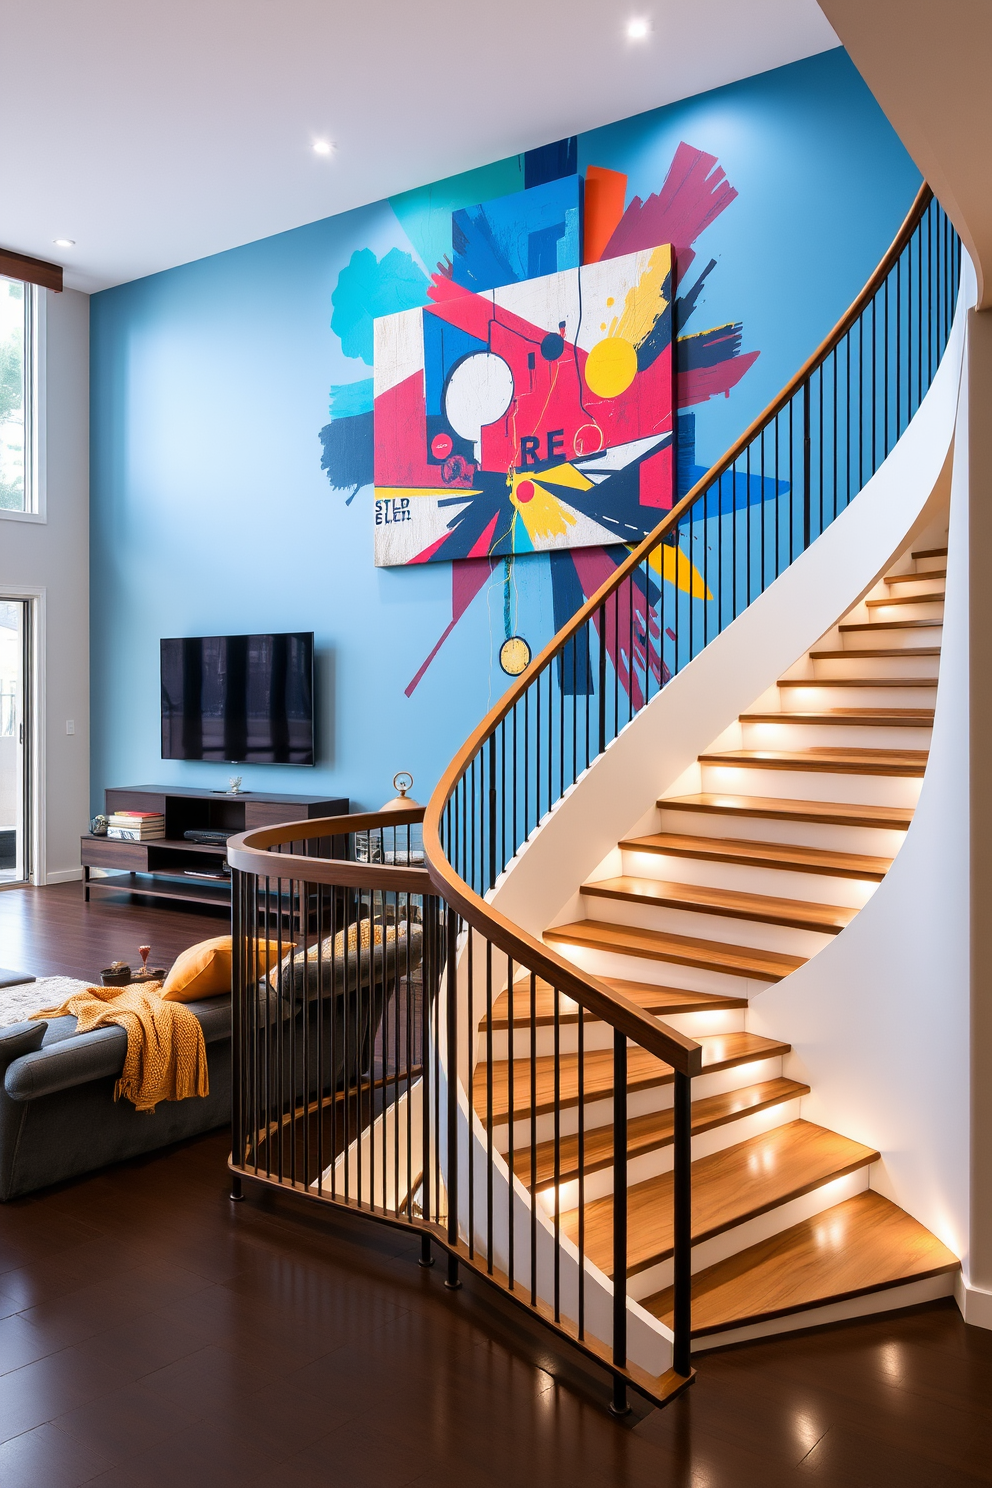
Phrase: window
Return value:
(19, 309)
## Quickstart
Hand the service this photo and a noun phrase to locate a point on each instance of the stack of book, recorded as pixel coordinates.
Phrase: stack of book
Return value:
(136, 826)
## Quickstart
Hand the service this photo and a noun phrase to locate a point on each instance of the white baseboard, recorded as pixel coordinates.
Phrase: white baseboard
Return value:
(63, 875)
(975, 1303)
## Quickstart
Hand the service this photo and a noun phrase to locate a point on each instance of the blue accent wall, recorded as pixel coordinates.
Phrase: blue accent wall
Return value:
(210, 384)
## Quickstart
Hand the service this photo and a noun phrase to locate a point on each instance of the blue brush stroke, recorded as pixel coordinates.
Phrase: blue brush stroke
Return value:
(349, 398)
(348, 454)
(516, 237)
(550, 162)
(367, 288)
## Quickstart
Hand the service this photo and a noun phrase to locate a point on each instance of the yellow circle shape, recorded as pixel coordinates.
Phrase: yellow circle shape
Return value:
(611, 367)
(514, 655)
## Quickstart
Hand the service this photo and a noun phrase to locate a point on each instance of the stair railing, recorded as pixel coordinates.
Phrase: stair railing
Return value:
(788, 476)
(387, 1059)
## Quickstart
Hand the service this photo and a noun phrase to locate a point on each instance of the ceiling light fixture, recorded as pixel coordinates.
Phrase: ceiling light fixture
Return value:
(638, 29)
(64, 242)
(323, 147)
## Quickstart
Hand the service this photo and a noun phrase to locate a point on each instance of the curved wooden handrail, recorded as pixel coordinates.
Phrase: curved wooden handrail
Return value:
(590, 992)
(251, 852)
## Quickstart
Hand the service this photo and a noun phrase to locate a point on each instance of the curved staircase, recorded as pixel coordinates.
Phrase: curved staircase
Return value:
(798, 815)
(590, 1105)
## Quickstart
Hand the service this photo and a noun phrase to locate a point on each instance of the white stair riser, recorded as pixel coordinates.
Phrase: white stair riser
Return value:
(897, 637)
(927, 565)
(790, 736)
(813, 785)
(648, 969)
(884, 1299)
(922, 609)
(707, 926)
(599, 1035)
(639, 1102)
(876, 666)
(920, 583)
(782, 883)
(800, 697)
(872, 841)
(762, 1227)
(649, 1164)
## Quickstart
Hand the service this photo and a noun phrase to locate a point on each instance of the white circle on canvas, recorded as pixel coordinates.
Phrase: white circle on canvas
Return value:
(479, 391)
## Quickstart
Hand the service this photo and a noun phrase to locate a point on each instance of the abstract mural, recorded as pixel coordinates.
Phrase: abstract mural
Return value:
(526, 418)
(513, 416)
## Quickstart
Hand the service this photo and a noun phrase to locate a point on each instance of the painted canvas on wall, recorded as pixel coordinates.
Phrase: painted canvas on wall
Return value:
(531, 417)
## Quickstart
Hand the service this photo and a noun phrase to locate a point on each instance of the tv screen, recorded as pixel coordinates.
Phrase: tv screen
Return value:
(242, 699)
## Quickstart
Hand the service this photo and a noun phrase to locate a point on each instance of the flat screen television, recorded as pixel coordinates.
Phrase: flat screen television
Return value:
(241, 699)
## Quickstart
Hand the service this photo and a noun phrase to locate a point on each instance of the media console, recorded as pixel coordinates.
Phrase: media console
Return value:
(161, 868)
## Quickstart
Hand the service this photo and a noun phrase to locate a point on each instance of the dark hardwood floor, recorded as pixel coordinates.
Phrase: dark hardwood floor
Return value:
(154, 1335)
(52, 932)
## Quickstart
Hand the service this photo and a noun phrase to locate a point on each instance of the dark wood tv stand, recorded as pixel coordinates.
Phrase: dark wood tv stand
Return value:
(160, 868)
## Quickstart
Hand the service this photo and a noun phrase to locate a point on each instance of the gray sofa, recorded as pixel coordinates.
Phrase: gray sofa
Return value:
(58, 1116)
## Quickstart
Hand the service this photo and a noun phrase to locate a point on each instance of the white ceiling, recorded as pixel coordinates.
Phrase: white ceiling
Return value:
(154, 134)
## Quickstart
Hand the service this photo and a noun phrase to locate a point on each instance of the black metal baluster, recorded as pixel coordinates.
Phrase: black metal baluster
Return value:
(451, 1281)
(619, 1404)
(533, 1140)
(682, 1223)
(511, 1116)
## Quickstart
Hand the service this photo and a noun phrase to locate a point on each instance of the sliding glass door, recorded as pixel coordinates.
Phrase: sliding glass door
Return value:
(15, 734)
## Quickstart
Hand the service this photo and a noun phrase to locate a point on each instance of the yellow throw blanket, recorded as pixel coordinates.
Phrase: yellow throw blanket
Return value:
(166, 1053)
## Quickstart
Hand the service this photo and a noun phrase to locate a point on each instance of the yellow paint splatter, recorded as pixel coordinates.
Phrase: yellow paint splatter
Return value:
(611, 367)
(645, 302)
(542, 514)
(674, 566)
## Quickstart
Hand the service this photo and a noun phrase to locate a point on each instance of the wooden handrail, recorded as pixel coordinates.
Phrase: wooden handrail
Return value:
(586, 989)
(251, 852)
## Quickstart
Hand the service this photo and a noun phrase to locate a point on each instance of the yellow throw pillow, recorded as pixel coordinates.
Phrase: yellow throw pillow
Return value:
(205, 969)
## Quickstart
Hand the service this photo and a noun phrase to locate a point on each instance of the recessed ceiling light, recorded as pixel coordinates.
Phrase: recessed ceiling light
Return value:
(323, 147)
(64, 242)
(638, 29)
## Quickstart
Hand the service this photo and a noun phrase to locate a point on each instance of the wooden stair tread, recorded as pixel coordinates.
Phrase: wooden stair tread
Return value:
(728, 1187)
(684, 950)
(930, 553)
(736, 904)
(911, 762)
(659, 1001)
(861, 1245)
(651, 1131)
(917, 578)
(905, 599)
(868, 717)
(890, 625)
(860, 681)
(644, 1072)
(890, 818)
(875, 652)
(761, 854)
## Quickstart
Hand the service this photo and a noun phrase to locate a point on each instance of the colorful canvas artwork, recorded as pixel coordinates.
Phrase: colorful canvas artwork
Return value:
(459, 268)
(533, 416)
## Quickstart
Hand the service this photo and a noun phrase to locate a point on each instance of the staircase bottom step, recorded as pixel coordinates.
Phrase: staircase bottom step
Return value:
(862, 1246)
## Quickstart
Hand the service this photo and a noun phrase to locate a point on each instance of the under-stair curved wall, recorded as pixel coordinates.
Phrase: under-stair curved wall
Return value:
(879, 1020)
(621, 786)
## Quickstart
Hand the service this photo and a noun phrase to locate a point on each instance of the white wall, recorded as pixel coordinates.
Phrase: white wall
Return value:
(53, 557)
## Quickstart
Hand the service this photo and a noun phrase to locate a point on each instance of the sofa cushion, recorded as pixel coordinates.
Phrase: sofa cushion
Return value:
(204, 970)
